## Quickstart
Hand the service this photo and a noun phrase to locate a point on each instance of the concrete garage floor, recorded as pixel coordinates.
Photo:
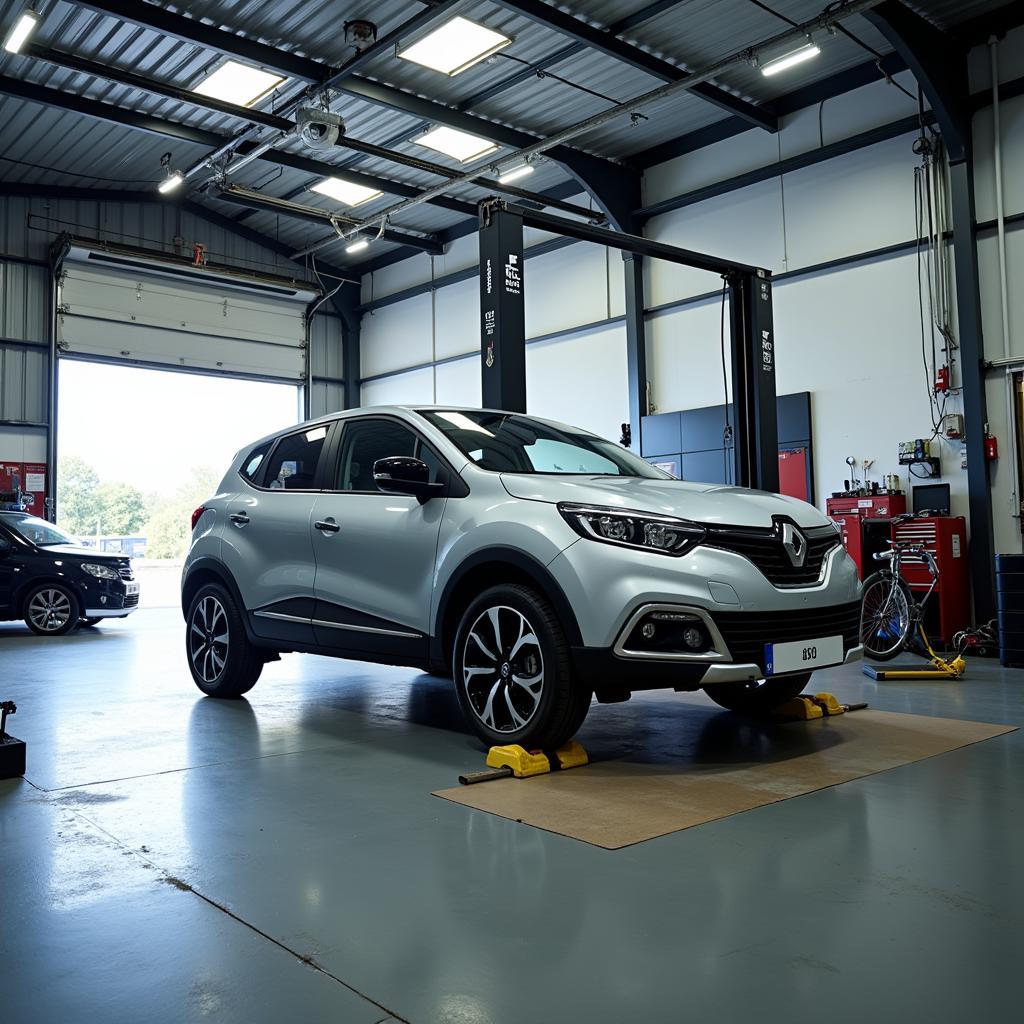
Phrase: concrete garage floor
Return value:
(174, 858)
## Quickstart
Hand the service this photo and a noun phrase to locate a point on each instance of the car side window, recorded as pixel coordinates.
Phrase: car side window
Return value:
(363, 443)
(292, 465)
(254, 460)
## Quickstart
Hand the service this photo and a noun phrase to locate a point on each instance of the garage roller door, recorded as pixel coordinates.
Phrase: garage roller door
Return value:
(118, 308)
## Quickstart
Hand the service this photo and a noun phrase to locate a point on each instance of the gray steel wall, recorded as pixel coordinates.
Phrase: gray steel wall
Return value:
(28, 228)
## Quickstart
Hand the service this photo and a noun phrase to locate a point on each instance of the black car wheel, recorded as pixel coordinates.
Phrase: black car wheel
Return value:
(51, 609)
(759, 696)
(513, 673)
(222, 661)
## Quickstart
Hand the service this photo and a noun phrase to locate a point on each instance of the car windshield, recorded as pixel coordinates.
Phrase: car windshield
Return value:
(508, 443)
(40, 532)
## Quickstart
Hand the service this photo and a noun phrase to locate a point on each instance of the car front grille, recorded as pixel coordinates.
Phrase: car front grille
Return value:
(746, 633)
(131, 600)
(125, 571)
(764, 548)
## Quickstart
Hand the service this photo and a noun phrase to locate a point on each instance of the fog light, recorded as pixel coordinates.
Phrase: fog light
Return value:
(647, 632)
(693, 638)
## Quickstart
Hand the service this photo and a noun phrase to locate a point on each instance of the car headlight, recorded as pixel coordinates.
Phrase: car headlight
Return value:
(630, 529)
(101, 572)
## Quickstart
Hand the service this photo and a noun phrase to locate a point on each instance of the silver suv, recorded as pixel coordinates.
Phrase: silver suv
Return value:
(537, 564)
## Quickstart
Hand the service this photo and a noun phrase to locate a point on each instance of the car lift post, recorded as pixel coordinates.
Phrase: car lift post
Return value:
(752, 333)
(502, 309)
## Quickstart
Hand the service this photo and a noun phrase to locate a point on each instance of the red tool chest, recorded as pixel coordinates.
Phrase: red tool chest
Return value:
(949, 607)
(852, 513)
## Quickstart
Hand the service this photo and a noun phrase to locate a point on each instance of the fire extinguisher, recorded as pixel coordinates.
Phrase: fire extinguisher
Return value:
(991, 446)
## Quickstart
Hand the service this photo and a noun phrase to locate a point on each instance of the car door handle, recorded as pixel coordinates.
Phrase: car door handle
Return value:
(240, 519)
(327, 525)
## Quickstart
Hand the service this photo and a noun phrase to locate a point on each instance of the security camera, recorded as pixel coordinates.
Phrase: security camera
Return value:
(319, 129)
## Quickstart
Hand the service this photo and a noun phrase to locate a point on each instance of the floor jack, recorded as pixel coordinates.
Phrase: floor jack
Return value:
(941, 668)
(517, 762)
(818, 705)
(12, 751)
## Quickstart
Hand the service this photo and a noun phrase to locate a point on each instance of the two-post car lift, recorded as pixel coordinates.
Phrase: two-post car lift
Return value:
(752, 335)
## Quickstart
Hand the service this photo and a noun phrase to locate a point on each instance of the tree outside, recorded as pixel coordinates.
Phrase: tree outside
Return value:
(87, 506)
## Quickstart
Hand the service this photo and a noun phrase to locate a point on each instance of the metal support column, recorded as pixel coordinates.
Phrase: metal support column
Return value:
(755, 418)
(636, 346)
(346, 302)
(939, 63)
(502, 309)
(972, 378)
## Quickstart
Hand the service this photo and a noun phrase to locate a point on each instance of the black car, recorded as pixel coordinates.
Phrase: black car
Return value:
(54, 583)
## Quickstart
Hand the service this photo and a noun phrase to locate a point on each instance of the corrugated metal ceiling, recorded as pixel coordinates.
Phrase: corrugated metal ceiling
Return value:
(85, 152)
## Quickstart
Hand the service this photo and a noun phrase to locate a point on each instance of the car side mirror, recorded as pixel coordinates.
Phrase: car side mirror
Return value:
(400, 474)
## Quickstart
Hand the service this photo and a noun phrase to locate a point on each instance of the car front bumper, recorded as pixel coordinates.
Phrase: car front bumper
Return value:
(610, 588)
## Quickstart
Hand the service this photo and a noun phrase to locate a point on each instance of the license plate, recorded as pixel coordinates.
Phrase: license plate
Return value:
(800, 655)
(131, 588)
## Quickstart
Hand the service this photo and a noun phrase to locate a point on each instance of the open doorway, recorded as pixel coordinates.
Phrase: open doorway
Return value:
(139, 449)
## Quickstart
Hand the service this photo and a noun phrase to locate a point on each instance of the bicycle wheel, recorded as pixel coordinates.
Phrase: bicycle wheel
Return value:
(885, 620)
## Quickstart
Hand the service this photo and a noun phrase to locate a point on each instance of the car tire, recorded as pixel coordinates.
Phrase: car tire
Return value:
(758, 697)
(220, 657)
(51, 609)
(91, 621)
(507, 638)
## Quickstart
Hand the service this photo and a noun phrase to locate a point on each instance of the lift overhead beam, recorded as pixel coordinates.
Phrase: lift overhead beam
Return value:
(751, 339)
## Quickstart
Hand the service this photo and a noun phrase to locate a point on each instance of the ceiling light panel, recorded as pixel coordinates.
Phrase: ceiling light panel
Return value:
(27, 23)
(346, 192)
(241, 84)
(460, 145)
(789, 60)
(457, 45)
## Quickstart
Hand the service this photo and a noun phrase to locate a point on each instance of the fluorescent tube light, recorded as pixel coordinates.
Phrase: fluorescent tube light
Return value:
(346, 192)
(455, 46)
(460, 145)
(788, 60)
(174, 179)
(241, 84)
(26, 24)
(357, 246)
(515, 173)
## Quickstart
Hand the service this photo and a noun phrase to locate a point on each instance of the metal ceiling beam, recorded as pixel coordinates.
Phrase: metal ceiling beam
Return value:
(202, 137)
(610, 44)
(191, 30)
(276, 122)
(99, 195)
(271, 204)
(617, 28)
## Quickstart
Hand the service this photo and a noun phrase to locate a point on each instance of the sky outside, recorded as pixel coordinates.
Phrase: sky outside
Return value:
(151, 428)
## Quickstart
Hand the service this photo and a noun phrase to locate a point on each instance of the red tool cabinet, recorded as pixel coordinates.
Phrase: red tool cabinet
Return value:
(852, 514)
(949, 607)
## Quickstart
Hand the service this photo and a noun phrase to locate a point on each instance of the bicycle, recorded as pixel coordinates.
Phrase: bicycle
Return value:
(892, 619)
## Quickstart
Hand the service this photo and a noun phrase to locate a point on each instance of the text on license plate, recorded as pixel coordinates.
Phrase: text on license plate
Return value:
(802, 654)
(131, 588)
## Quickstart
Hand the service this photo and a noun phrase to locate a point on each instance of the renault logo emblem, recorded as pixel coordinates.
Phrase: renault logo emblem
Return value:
(795, 544)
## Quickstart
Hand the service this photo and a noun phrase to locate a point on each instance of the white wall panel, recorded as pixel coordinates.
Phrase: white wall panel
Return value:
(396, 336)
(580, 380)
(458, 383)
(565, 288)
(859, 202)
(17, 445)
(744, 226)
(1011, 123)
(413, 388)
(684, 361)
(457, 318)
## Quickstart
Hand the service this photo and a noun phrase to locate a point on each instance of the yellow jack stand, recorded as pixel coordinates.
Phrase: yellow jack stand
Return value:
(515, 761)
(941, 667)
(820, 705)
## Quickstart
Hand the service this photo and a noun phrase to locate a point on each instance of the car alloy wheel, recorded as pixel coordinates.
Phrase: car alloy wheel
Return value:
(208, 639)
(49, 610)
(503, 669)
